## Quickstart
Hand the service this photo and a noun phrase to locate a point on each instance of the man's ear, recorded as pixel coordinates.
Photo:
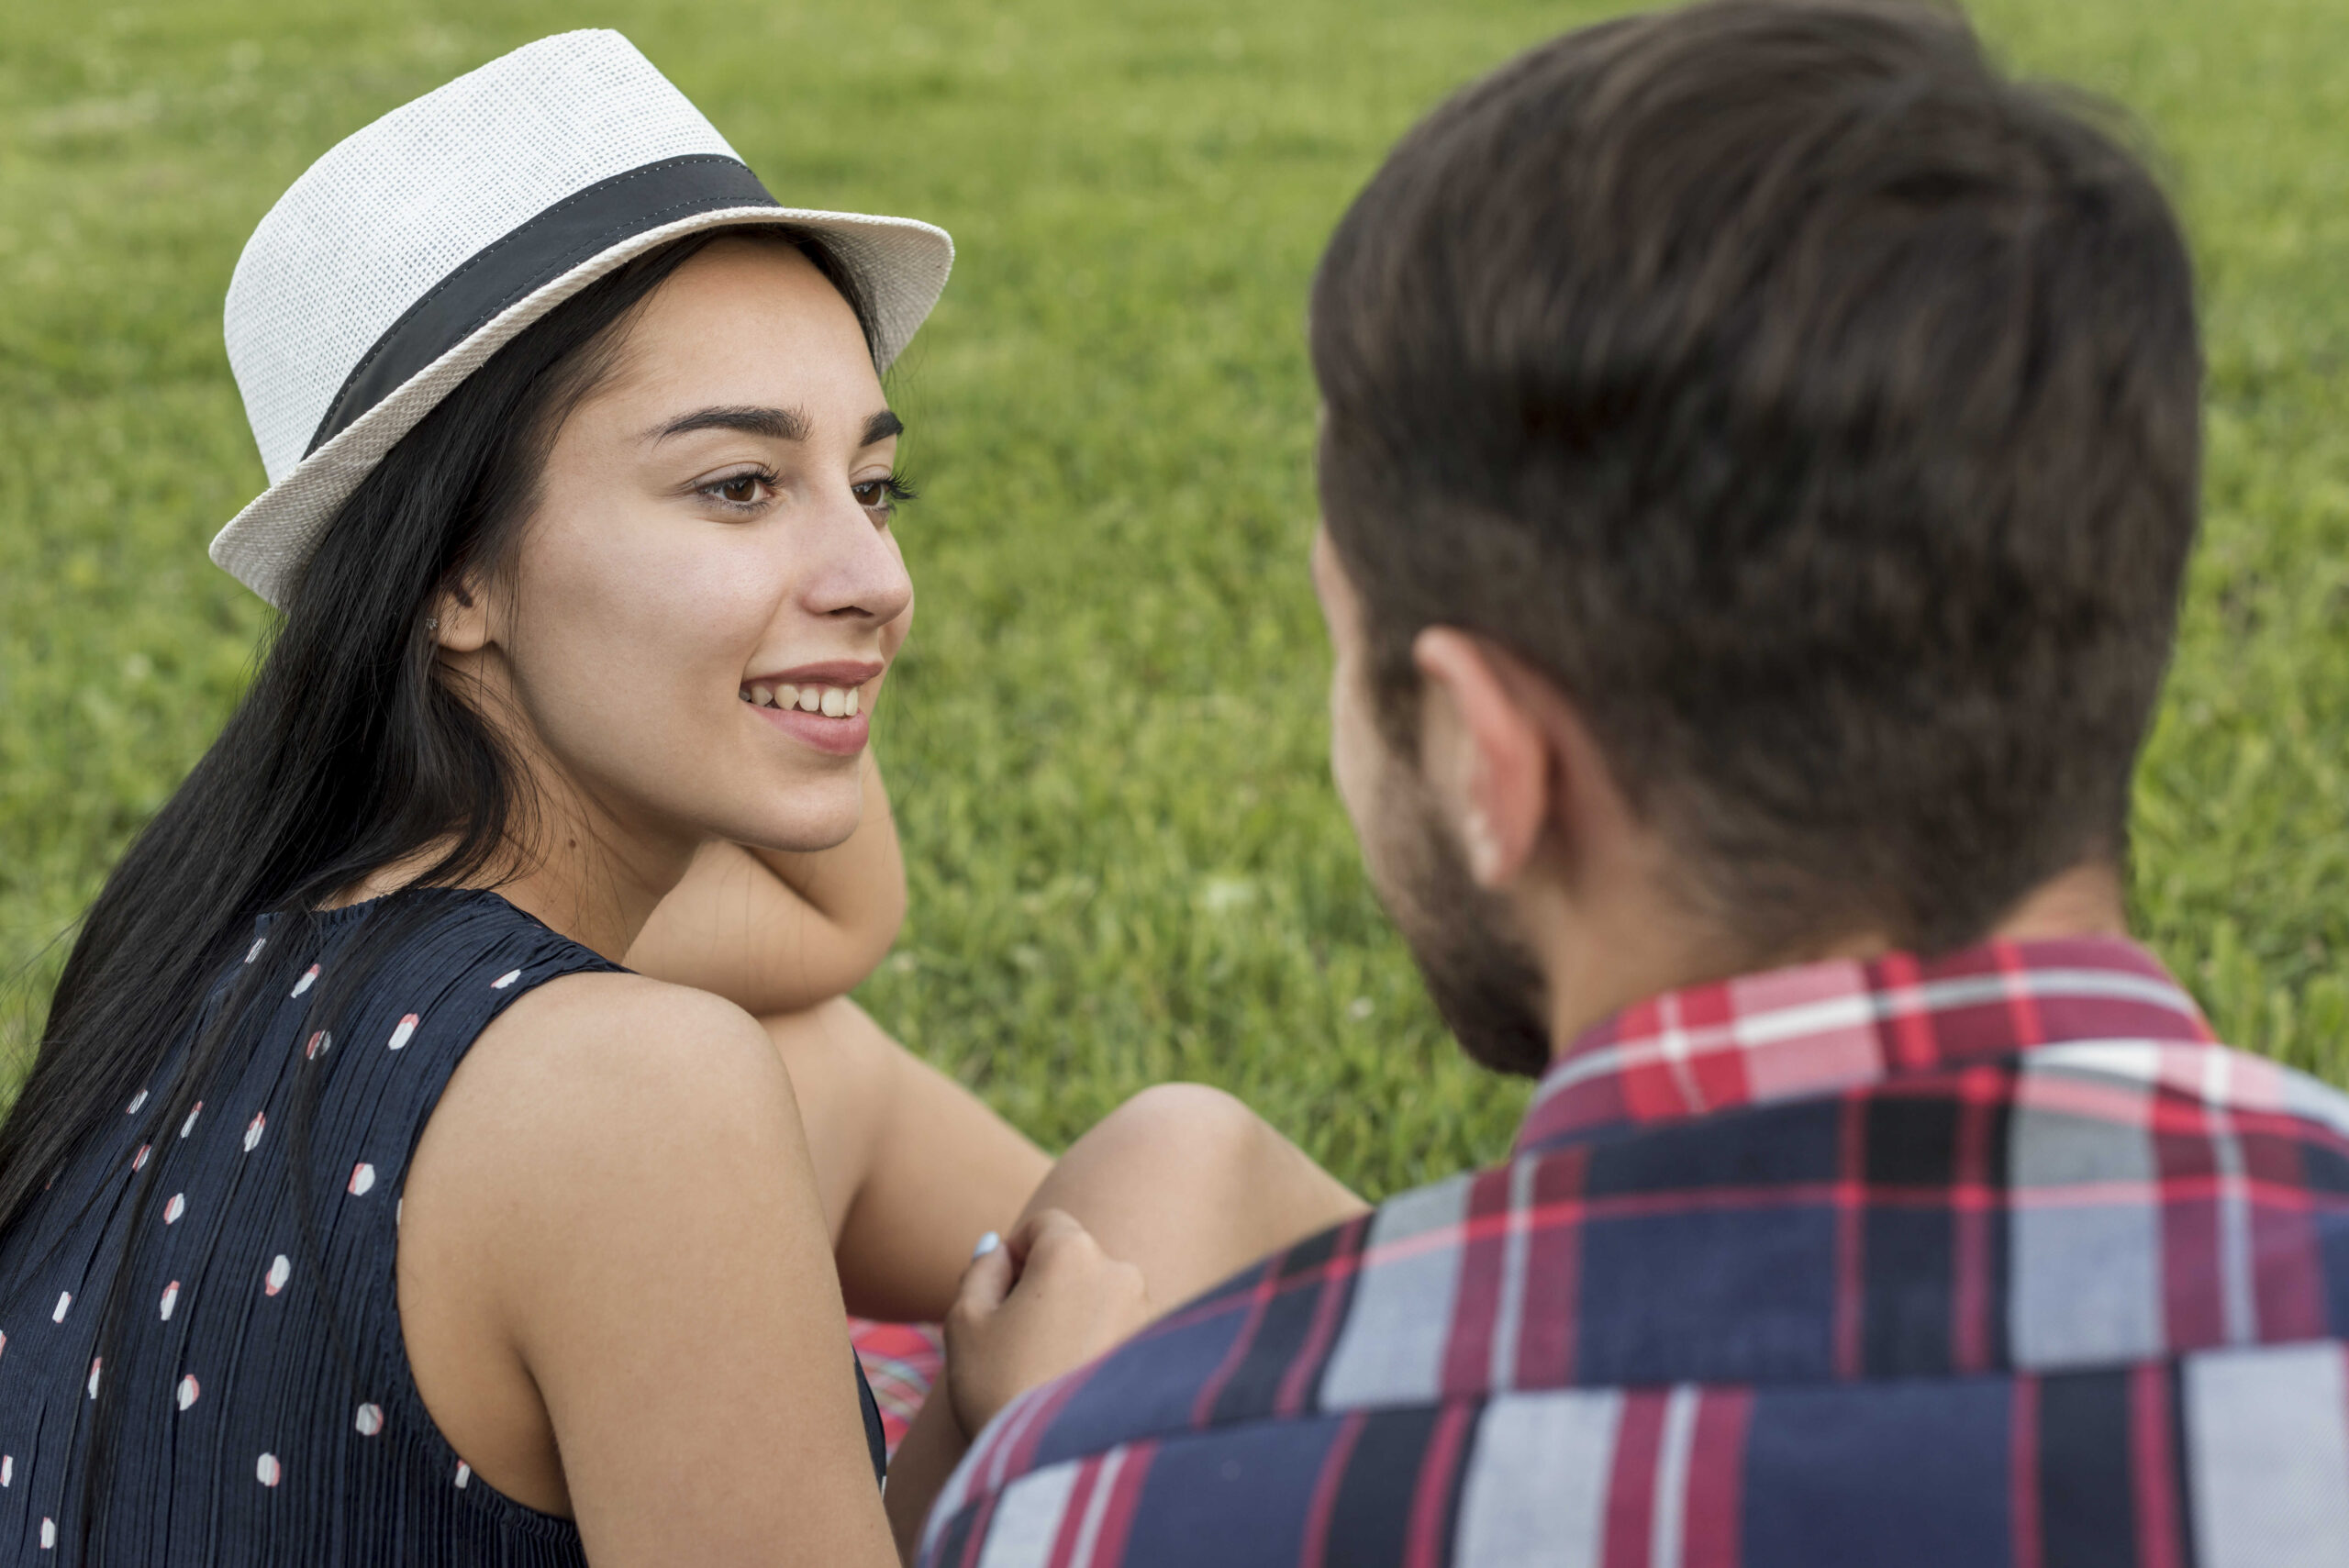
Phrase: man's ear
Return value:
(460, 621)
(1485, 752)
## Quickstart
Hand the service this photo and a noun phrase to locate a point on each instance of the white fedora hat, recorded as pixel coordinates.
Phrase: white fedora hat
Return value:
(400, 262)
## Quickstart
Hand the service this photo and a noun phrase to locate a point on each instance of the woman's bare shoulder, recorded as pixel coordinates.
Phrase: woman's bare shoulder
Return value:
(615, 1068)
(594, 1036)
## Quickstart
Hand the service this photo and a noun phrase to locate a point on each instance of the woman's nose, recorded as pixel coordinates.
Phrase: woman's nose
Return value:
(863, 576)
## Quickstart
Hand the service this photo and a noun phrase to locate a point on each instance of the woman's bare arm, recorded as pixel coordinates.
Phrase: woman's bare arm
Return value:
(616, 1286)
(780, 933)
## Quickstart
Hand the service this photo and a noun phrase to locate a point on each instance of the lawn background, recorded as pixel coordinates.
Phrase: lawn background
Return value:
(1107, 737)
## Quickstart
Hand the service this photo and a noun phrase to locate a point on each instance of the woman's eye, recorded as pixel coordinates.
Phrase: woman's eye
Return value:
(879, 497)
(738, 489)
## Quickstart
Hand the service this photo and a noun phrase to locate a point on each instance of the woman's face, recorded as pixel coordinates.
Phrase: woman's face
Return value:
(705, 602)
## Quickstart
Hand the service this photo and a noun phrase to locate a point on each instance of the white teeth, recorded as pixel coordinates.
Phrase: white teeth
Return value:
(745, 694)
(833, 702)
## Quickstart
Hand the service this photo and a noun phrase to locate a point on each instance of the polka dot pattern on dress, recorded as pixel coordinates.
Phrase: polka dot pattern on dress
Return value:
(48, 1533)
(252, 1391)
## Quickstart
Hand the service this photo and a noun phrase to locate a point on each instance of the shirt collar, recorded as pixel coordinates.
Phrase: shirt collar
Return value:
(1819, 1027)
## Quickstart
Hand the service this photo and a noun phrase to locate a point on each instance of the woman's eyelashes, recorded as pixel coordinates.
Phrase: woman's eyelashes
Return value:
(883, 496)
(745, 490)
(752, 490)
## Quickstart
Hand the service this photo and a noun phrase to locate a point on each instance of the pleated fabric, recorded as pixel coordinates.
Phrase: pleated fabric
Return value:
(261, 1407)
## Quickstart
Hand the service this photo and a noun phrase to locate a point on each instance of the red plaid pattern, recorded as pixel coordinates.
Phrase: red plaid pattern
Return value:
(1829, 1026)
(902, 1361)
(1996, 1259)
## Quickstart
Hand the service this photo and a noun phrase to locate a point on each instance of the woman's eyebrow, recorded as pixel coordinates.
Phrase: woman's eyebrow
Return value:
(779, 424)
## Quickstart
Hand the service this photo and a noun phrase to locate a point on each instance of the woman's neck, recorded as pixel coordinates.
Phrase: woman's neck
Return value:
(596, 883)
(584, 875)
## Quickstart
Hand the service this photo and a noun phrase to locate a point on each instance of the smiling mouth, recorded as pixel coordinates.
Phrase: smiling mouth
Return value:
(832, 702)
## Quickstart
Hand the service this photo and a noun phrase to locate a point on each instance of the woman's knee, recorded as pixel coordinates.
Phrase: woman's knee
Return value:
(1196, 1126)
(1204, 1149)
(1190, 1184)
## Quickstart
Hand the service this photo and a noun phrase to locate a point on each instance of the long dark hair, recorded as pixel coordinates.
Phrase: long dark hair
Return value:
(350, 752)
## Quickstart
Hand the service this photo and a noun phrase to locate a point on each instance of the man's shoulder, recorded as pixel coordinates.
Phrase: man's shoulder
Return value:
(2235, 1454)
(2034, 1214)
(1825, 1289)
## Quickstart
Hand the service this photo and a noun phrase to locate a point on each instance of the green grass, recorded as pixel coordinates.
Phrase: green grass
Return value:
(1106, 742)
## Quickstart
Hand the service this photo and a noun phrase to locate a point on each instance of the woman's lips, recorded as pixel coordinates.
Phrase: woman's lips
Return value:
(843, 672)
(843, 736)
(820, 706)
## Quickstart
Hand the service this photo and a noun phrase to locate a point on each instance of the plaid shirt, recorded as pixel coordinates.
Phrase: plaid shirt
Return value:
(1991, 1261)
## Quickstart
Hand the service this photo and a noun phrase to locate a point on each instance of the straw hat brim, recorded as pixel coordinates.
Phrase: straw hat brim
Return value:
(899, 264)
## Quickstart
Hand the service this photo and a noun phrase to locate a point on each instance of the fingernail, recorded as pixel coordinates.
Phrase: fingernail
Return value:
(988, 1243)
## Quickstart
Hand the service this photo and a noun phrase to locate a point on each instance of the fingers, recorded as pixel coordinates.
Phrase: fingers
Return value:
(1053, 1227)
(1063, 1257)
(986, 1282)
(1046, 1300)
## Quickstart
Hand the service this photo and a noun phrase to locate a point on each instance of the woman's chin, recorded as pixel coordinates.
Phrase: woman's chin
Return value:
(810, 826)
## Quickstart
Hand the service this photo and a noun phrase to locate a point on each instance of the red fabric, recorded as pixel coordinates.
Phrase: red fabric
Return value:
(902, 1361)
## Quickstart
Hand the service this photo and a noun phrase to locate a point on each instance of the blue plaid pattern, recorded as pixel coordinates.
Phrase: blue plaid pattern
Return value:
(1996, 1259)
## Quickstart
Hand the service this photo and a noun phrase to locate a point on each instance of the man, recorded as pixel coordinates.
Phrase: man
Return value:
(1759, 463)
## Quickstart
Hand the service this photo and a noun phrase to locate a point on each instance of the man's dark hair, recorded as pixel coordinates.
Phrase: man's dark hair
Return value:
(1819, 409)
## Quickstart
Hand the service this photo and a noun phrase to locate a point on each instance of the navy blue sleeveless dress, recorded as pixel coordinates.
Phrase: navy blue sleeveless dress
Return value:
(262, 1409)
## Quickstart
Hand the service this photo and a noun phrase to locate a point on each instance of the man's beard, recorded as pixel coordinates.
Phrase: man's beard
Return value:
(1481, 976)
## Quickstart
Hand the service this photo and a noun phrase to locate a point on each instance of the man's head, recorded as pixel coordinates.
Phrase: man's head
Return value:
(1759, 459)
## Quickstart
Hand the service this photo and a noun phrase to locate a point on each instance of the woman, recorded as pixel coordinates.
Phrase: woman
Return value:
(361, 1207)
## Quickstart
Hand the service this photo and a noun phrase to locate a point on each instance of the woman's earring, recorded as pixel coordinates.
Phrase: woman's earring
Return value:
(432, 623)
